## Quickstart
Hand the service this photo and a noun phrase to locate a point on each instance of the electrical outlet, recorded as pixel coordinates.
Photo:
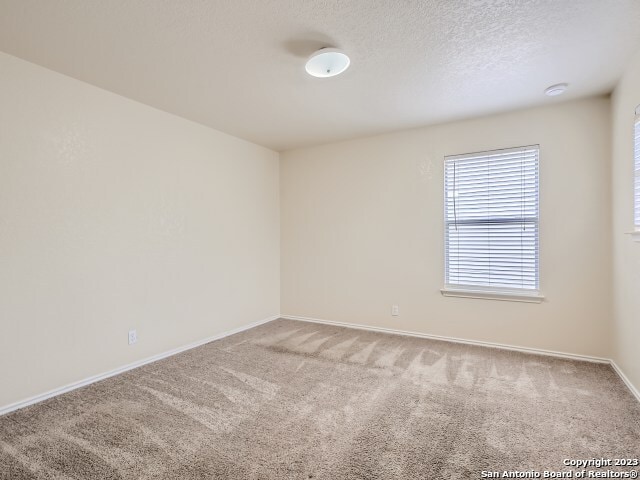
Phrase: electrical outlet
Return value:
(395, 310)
(133, 337)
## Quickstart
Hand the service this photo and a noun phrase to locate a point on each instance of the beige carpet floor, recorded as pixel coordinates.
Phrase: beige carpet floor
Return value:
(297, 400)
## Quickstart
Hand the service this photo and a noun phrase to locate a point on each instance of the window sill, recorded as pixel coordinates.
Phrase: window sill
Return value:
(635, 236)
(533, 297)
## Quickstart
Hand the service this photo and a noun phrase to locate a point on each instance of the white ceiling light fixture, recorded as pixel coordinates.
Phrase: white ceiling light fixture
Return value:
(555, 90)
(327, 62)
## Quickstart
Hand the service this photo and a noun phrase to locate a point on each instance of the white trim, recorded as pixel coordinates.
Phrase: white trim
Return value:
(626, 381)
(537, 351)
(534, 297)
(533, 147)
(96, 378)
(635, 236)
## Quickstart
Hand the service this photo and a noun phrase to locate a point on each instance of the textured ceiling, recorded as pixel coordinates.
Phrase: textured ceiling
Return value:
(238, 65)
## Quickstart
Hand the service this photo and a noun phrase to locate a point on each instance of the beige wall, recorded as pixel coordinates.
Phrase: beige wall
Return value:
(626, 253)
(114, 215)
(362, 229)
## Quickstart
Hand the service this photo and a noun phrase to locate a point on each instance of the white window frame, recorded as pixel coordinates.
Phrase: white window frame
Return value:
(635, 235)
(494, 293)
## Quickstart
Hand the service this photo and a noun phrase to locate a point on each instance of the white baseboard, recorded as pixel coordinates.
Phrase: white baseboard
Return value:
(626, 381)
(501, 346)
(96, 378)
(536, 351)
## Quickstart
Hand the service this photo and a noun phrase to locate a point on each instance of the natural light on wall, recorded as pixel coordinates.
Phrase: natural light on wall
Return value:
(491, 224)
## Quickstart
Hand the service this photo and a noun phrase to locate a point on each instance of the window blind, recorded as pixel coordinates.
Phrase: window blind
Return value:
(491, 220)
(636, 187)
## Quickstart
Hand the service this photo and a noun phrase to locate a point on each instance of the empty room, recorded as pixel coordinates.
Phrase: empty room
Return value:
(319, 239)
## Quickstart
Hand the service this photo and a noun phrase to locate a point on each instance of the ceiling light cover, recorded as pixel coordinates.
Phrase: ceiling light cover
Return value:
(327, 62)
(555, 90)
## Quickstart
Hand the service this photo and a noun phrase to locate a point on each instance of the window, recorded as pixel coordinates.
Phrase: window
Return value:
(491, 224)
(636, 186)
